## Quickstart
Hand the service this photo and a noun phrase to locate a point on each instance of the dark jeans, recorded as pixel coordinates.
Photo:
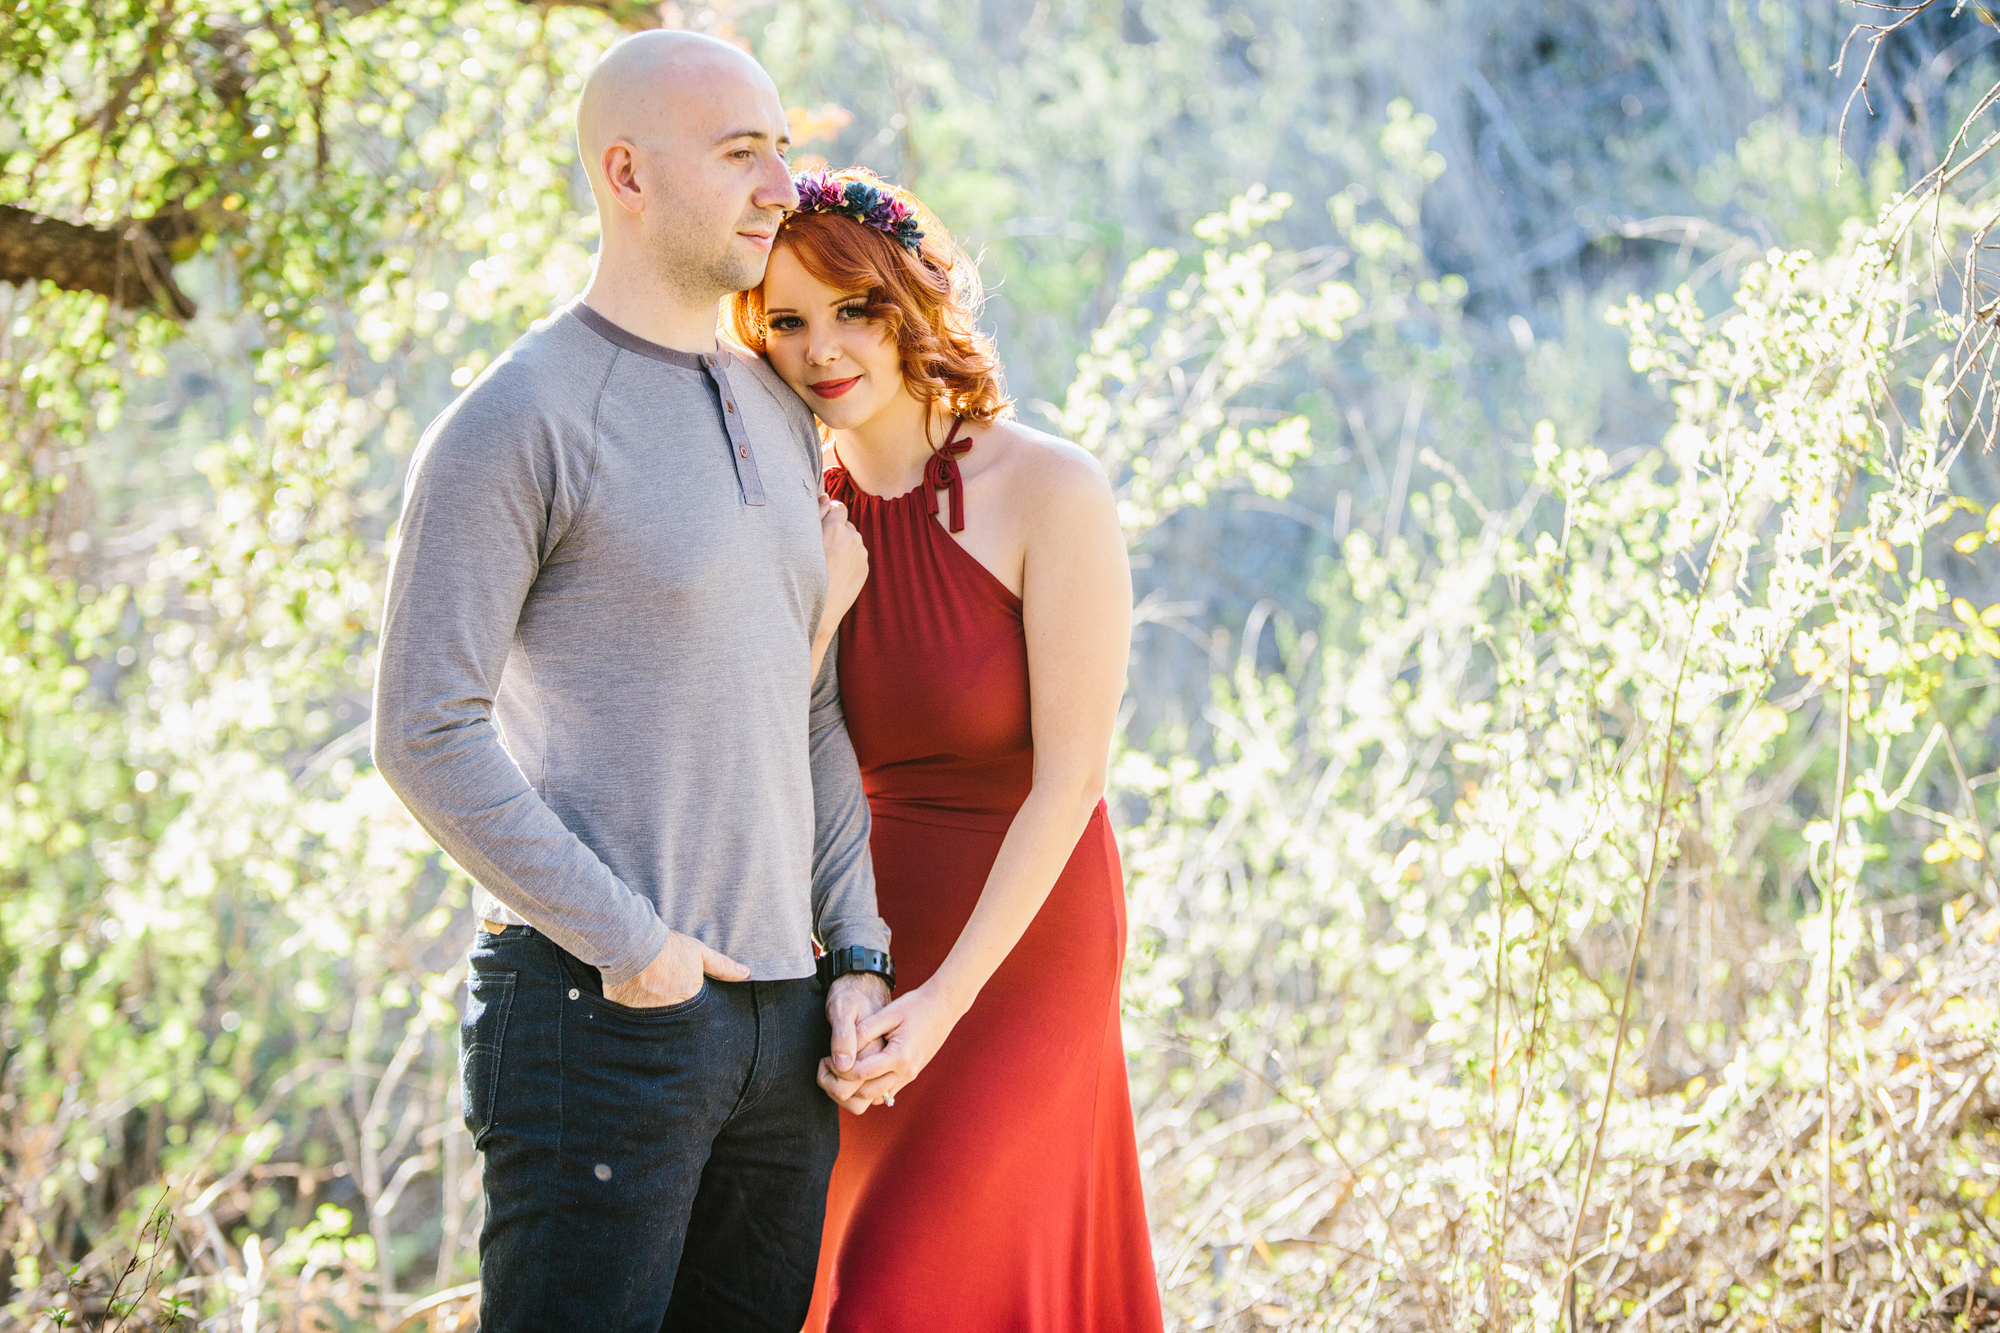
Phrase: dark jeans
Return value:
(655, 1170)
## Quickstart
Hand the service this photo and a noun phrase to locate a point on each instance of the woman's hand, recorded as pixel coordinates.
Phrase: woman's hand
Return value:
(846, 560)
(846, 571)
(898, 1040)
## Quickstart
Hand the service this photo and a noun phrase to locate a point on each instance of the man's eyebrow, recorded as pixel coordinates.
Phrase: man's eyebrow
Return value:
(784, 140)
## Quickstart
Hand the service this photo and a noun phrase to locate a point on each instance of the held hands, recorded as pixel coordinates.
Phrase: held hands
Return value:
(850, 1001)
(893, 1045)
(675, 974)
(846, 560)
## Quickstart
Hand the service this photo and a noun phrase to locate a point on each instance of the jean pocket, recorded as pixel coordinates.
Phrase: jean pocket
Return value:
(589, 983)
(677, 1009)
(489, 999)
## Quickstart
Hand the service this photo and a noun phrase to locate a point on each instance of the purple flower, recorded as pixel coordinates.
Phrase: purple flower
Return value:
(864, 201)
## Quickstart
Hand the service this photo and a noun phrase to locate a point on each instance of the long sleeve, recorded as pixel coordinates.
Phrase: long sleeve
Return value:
(843, 875)
(488, 497)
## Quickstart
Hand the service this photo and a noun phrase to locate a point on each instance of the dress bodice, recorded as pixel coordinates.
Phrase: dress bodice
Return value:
(933, 661)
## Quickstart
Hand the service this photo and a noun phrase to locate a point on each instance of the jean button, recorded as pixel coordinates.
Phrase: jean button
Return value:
(572, 992)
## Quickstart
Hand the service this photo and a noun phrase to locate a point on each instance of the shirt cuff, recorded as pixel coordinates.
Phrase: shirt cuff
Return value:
(867, 932)
(642, 951)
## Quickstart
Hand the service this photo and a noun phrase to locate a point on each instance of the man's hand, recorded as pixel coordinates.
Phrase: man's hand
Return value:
(675, 974)
(851, 1000)
(895, 1043)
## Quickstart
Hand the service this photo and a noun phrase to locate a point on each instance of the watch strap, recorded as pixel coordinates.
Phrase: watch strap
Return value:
(856, 958)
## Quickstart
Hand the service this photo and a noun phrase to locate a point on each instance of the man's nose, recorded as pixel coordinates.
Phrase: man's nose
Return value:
(776, 190)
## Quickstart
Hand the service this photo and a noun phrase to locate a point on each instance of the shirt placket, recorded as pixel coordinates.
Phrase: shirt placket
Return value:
(747, 478)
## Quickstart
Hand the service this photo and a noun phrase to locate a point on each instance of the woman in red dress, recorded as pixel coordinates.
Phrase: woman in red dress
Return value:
(988, 1177)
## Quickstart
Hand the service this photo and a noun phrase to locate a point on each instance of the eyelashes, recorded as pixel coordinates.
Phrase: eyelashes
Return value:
(790, 323)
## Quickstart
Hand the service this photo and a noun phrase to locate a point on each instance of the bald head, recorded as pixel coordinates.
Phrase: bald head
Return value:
(684, 138)
(651, 85)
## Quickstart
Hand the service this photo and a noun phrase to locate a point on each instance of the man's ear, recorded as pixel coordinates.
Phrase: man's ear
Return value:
(621, 176)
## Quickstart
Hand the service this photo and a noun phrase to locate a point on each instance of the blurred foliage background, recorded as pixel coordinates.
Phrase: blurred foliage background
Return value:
(1558, 783)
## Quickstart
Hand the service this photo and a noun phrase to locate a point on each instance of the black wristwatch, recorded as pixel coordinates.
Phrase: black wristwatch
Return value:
(855, 958)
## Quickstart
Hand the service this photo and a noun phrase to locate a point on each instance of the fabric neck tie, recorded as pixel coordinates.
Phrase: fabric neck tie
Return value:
(941, 474)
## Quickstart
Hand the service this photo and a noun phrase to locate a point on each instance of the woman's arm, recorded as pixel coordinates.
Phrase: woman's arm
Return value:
(1077, 609)
(846, 571)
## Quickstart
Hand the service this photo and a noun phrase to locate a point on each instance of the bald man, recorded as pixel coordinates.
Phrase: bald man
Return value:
(596, 691)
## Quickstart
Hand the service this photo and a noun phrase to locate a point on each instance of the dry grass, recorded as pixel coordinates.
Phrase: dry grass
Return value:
(1706, 1210)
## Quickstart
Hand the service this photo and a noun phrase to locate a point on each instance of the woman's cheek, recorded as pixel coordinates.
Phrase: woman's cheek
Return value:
(785, 360)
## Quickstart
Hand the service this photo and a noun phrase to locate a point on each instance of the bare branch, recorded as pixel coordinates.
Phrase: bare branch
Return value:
(130, 263)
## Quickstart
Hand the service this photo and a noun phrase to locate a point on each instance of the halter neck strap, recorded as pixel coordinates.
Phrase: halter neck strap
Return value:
(941, 474)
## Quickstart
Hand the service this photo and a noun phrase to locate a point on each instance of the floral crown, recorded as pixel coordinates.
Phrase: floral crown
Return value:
(871, 203)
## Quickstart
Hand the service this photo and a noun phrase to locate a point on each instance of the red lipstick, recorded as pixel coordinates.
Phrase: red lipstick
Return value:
(834, 388)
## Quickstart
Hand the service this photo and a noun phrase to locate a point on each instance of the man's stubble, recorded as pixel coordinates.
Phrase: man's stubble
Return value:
(701, 267)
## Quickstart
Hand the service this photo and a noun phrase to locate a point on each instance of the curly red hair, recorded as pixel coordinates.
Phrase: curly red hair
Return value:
(930, 302)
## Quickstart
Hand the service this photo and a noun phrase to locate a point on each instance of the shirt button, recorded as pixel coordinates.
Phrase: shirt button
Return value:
(742, 451)
(730, 406)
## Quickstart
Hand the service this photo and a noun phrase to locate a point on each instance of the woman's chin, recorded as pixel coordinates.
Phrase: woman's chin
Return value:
(837, 415)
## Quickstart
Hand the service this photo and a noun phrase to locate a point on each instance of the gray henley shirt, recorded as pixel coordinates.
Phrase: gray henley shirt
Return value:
(595, 674)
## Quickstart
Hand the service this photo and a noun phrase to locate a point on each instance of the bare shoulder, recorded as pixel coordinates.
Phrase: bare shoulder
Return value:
(1060, 507)
(1043, 470)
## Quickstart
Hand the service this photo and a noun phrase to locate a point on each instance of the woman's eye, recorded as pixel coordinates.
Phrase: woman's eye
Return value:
(854, 312)
(784, 323)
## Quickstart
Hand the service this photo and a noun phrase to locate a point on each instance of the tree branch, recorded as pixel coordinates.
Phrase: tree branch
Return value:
(130, 263)
(632, 15)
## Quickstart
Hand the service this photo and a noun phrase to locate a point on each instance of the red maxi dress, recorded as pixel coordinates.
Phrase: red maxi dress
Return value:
(1001, 1192)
